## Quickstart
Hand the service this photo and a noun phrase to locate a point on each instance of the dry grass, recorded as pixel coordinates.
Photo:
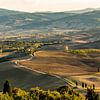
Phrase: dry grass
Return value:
(89, 80)
(58, 62)
(76, 67)
(25, 78)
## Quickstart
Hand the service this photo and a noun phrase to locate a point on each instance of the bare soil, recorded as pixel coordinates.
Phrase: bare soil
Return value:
(58, 62)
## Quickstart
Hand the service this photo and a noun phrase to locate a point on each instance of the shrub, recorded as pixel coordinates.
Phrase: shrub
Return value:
(91, 95)
(62, 93)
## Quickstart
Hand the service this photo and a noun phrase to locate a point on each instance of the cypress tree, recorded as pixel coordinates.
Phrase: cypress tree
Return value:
(6, 87)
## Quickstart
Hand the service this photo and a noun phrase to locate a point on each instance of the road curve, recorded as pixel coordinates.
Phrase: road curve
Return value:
(25, 78)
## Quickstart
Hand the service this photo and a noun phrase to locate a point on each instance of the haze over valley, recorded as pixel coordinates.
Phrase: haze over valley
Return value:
(51, 50)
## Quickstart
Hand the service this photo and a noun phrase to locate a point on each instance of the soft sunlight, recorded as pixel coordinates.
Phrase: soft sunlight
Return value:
(48, 5)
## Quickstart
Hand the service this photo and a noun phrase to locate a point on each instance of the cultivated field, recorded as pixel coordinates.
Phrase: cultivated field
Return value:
(25, 78)
(82, 68)
(59, 62)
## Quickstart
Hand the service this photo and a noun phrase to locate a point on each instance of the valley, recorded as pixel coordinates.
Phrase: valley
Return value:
(50, 50)
(25, 78)
(65, 65)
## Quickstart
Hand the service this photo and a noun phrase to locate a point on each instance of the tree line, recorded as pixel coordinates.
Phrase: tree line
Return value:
(61, 93)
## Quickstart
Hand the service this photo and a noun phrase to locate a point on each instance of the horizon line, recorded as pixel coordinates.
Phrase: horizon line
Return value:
(69, 10)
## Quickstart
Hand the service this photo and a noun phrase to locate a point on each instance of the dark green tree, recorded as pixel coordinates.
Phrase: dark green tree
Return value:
(76, 83)
(7, 87)
(93, 86)
(83, 85)
(98, 69)
(91, 95)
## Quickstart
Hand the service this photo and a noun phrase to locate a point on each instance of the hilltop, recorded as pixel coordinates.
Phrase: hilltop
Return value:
(15, 21)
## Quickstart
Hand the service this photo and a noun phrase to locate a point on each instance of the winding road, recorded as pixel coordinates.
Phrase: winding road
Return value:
(25, 78)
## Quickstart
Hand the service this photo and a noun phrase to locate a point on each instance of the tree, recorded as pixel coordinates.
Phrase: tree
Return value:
(82, 85)
(91, 95)
(6, 87)
(94, 86)
(76, 83)
(98, 69)
(85, 85)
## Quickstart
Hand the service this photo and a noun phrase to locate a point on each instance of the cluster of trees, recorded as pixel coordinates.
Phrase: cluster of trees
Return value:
(21, 48)
(15, 45)
(85, 85)
(91, 95)
(34, 48)
(9, 46)
(62, 93)
(84, 51)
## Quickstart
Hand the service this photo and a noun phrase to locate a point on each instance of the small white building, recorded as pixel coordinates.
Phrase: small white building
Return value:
(0, 50)
(66, 48)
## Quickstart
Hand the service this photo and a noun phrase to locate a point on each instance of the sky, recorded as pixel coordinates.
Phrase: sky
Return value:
(48, 5)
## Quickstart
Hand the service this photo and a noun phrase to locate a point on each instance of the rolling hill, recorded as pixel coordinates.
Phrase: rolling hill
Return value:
(95, 44)
(25, 78)
(14, 20)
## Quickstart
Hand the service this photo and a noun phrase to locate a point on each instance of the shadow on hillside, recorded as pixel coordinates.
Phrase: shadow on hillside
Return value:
(26, 79)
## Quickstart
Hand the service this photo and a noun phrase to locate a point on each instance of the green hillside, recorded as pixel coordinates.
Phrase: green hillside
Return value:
(14, 20)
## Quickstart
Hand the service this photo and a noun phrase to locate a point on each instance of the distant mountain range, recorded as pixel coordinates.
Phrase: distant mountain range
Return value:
(82, 19)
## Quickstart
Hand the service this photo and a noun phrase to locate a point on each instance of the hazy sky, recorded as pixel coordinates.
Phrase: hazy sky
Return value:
(48, 5)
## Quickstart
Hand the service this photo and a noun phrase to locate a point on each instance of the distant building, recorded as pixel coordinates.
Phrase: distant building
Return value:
(66, 48)
(0, 50)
